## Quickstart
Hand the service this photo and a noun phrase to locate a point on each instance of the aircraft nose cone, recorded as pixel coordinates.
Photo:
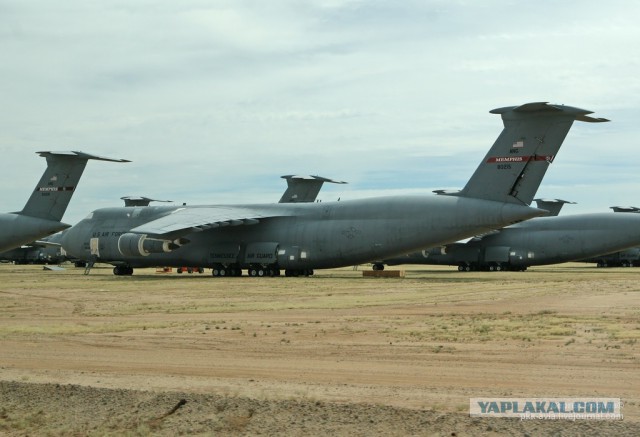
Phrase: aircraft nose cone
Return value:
(69, 241)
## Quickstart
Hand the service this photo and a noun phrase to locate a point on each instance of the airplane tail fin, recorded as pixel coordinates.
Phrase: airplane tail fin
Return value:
(625, 209)
(58, 182)
(302, 189)
(514, 167)
(552, 205)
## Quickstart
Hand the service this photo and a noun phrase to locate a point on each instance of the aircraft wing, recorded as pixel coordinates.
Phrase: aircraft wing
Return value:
(196, 219)
(42, 243)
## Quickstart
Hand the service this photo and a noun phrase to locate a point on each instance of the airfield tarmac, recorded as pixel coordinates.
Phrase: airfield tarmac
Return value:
(336, 353)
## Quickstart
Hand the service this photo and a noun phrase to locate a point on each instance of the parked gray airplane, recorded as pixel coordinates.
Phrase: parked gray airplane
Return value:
(625, 258)
(300, 237)
(539, 241)
(47, 250)
(42, 214)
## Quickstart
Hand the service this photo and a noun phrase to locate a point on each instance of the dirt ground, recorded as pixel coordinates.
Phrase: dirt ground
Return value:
(336, 353)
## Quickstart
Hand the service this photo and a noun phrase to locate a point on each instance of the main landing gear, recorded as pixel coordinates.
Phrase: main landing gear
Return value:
(258, 271)
(263, 271)
(295, 272)
(123, 270)
(226, 271)
(490, 267)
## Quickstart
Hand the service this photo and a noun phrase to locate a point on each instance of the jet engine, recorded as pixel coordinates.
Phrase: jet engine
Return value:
(131, 244)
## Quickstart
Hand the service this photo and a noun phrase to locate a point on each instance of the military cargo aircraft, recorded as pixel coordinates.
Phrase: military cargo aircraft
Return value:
(300, 237)
(47, 250)
(42, 214)
(539, 241)
(624, 258)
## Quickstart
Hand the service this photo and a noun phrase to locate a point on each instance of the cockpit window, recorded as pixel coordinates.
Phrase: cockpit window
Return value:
(89, 217)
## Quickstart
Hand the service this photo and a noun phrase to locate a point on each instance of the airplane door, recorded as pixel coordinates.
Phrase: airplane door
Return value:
(289, 256)
(519, 257)
(94, 247)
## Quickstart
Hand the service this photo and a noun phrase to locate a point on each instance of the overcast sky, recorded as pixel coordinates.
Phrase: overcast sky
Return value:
(213, 101)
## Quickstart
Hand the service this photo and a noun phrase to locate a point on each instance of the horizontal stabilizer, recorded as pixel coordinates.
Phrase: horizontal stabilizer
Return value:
(625, 209)
(304, 189)
(552, 205)
(140, 201)
(80, 155)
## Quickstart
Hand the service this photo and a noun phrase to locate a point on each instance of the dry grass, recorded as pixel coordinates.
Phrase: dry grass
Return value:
(433, 338)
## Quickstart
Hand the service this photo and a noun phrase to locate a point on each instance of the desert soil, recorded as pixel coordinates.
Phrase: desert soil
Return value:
(336, 353)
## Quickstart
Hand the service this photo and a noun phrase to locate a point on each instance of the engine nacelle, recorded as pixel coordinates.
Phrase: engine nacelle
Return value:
(130, 244)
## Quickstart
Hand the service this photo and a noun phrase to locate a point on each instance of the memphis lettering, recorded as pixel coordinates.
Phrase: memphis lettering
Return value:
(570, 408)
(507, 159)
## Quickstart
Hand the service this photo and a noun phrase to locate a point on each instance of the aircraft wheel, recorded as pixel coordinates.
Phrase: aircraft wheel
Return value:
(123, 271)
(492, 268)
(253, 272)
(260, 272)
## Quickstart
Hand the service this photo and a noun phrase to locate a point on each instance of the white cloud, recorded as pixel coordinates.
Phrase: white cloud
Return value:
(214, 100)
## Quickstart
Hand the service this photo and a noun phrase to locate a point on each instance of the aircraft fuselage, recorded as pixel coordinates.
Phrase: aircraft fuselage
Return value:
(16, 230)
(298, 236)
(540, 241)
